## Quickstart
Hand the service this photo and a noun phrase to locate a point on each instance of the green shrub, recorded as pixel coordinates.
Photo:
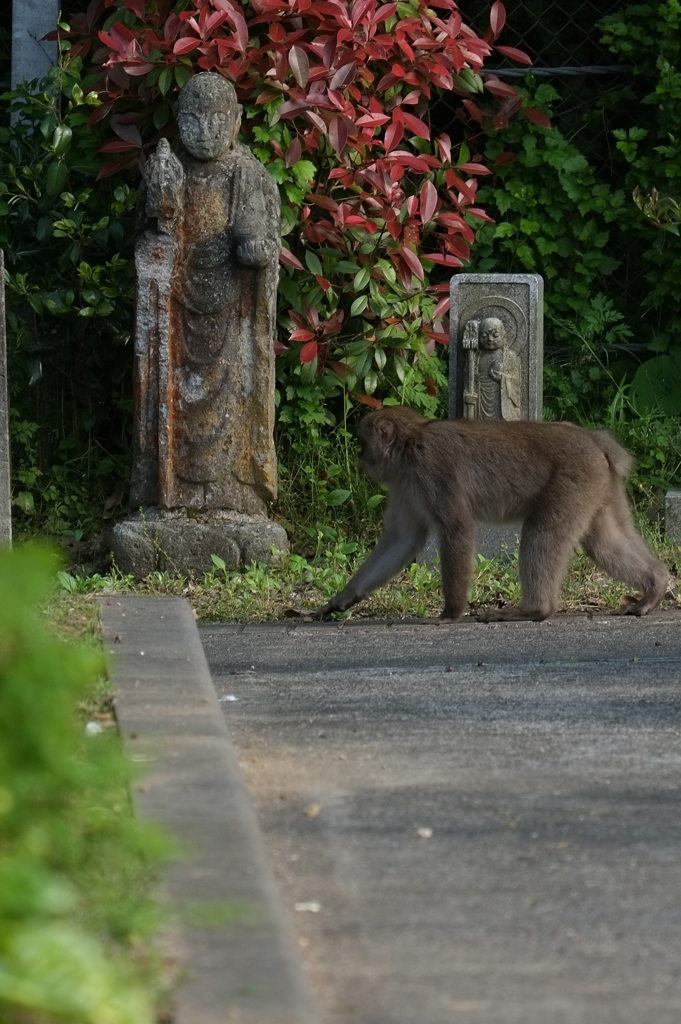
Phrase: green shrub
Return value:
(74, 866)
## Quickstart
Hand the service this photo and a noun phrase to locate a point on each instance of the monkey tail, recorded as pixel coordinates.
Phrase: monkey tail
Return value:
(619, 460)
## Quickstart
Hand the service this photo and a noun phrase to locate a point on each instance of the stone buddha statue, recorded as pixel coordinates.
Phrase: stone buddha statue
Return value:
(207, 266)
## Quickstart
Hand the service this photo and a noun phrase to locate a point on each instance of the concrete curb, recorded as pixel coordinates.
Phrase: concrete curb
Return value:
(169, 716)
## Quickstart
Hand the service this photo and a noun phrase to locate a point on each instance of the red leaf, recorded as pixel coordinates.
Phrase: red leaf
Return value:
(300, 65)
(293, 153)
(393, 136)
(292, 108)
(514, 54)
(505, 158)
(236, 18)
(343, 76)
(116, 146)
(445, 261)
(302, 335)
(474, 168)
(371, 120)
(537, 117)
(437, 336)
(319, 199)
(359, 9)
(287, 257)
(279, 348)
(385, 11)
(186, 44)
(441, 308)
(428, 201)
(475, 211)
(114, 166)
(445, 144)
(368, 400)
(417, 125)
(143, 68)
(412, 261)
(323, 282)
(137, 7)
(498, 88)
(308, 352)
(338, 134)
(497, 17)
(474, 110)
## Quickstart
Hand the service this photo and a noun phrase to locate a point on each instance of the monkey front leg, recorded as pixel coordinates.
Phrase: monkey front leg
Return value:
(396, 548)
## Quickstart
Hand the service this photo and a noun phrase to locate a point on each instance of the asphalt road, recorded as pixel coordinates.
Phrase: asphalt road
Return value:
(476, 822)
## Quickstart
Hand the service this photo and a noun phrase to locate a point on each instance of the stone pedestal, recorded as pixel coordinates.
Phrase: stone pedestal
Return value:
(672, 516)
(183, 541)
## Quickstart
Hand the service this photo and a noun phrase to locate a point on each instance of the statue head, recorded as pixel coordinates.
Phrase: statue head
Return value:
(492, 333)
(208, 116)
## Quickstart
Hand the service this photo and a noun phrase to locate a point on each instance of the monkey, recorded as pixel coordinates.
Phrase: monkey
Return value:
(565, 482)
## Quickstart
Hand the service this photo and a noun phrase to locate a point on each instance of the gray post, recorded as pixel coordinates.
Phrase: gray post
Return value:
(32, 57)
(5, 477)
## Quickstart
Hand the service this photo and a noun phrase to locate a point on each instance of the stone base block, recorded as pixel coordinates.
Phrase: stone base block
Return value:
(183, 542)
(672, 516)
(494, 541)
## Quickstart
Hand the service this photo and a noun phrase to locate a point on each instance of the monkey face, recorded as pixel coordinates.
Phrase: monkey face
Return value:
(376, 434)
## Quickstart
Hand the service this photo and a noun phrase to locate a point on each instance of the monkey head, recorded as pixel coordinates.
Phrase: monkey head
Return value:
(382, 436)
(492, 333)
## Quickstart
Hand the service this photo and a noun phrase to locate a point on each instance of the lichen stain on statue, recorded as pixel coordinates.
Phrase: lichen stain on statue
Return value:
(206, 257)
(207, 264)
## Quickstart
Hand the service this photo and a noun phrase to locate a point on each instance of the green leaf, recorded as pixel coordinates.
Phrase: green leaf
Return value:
(359, 305)
(165, 81)
(361, 279)
(313, 263)
(338, 497)
(57, 178)
(218, 562)
(374, 501)
(61, 139)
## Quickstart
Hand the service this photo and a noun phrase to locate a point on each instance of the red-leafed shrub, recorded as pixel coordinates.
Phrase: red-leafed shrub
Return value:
(377, 212)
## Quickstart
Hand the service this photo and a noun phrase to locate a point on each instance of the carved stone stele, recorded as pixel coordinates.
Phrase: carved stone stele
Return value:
(206, 258)
(496, 355)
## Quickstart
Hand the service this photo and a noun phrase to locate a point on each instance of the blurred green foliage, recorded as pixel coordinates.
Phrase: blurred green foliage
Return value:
(75, 867)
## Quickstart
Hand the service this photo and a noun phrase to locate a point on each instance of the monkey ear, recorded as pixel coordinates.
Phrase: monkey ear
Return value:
(385, 430)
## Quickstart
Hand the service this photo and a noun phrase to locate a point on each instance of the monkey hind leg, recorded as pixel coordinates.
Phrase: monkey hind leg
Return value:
(544, 557)
(615, 546)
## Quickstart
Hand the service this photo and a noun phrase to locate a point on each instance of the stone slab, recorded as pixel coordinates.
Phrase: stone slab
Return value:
(183, 541)
(541, 762)
(494, 541)
(516, 299)
(672, 516)
(245, 972)
(32, 56)
(5, 448)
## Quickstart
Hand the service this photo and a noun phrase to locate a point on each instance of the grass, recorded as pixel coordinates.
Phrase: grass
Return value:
(263, 594)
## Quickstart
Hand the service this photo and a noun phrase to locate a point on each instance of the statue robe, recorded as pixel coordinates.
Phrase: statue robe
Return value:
(204, 358)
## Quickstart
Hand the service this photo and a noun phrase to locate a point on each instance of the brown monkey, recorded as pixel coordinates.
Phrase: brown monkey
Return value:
(565, 482)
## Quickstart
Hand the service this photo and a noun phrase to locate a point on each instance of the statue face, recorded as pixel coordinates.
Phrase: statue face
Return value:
(206, 133)
(492, 334)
